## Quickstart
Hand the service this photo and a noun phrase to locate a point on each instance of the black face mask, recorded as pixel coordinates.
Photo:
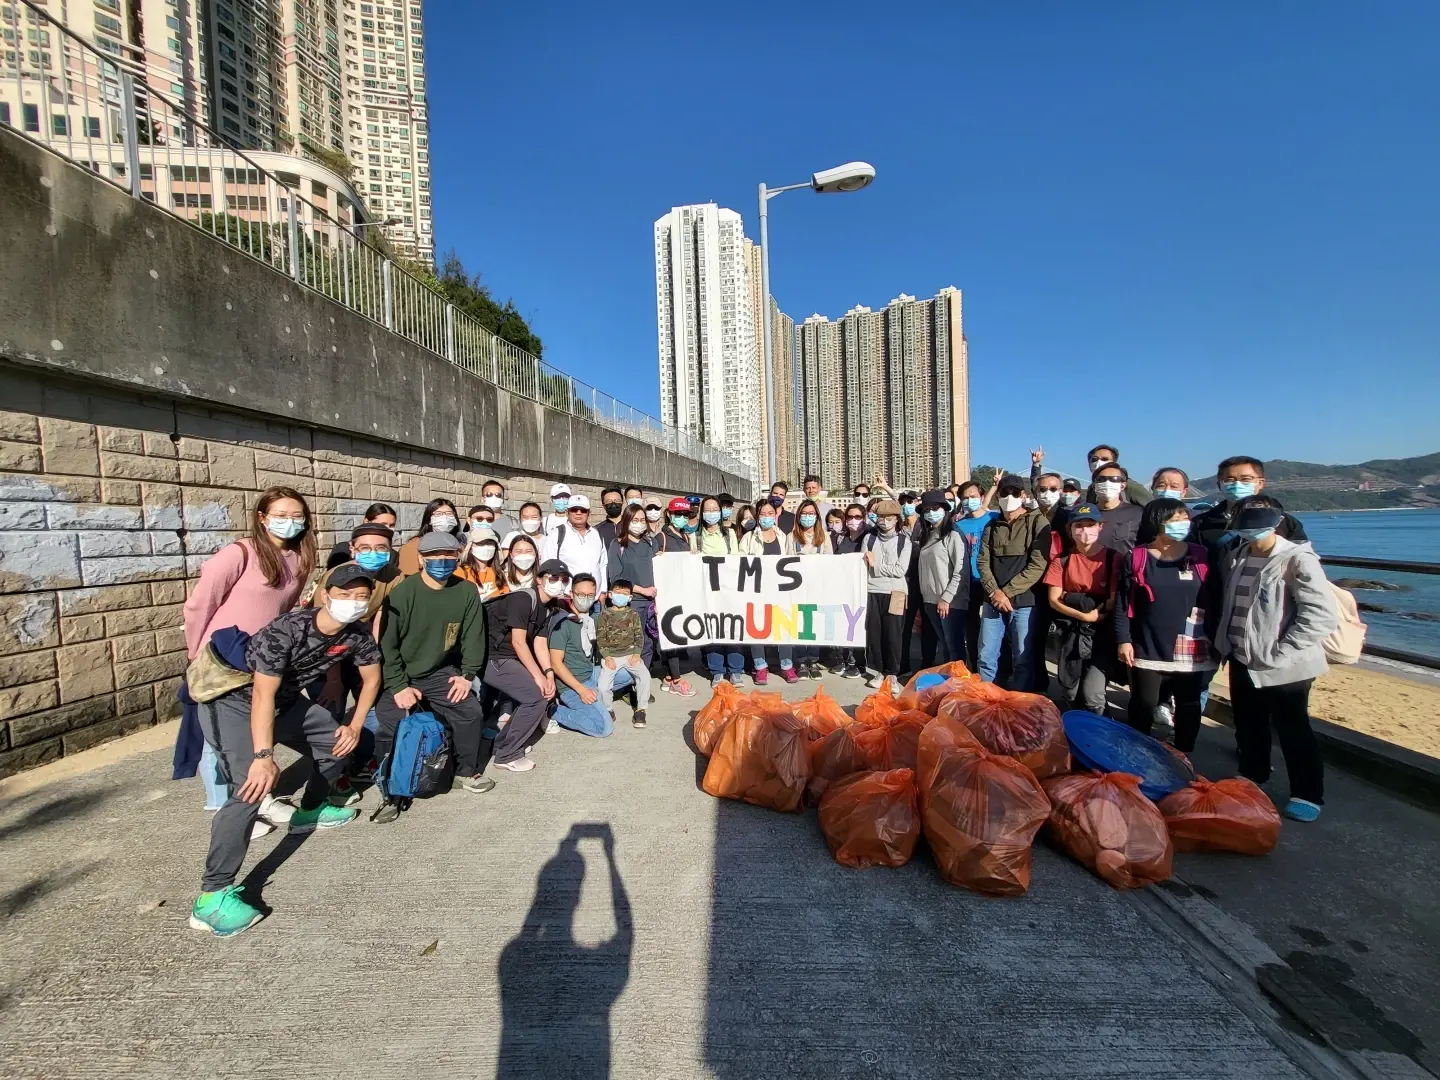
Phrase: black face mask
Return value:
(613, 509)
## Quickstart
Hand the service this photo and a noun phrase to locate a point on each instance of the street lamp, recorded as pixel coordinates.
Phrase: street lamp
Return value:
(852, 176)
(356, 226)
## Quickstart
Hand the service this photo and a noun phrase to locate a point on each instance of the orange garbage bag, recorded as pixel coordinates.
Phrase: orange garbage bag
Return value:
(952, 675)
(835, 757)
(1026, 727)
(980, 812)
(872, 819)
(761, 758)
(1227, 815)
(820, 714)
(710, 721)
(879, 706)
(895, 743)
(1104, 821)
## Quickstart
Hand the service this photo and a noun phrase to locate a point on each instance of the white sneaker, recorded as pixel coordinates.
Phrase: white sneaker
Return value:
(276, 811)
(261, 828)
(872, 681)
(552, 727)
(1165, 714)
(524, 764)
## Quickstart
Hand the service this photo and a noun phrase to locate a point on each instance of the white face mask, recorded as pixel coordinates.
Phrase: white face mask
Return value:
(1048, 498)
(494, 502)
(530, 525)
(1031, 504)
(347, 611)
(1109, 489)
(583, 603)
(443, 522)
(553, 588)
(522, 560)
(653, 515)
(486, 552)
(637, 526)
(1011, 503)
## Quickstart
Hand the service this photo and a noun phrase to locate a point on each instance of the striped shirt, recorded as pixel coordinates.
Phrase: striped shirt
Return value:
(1245, 589)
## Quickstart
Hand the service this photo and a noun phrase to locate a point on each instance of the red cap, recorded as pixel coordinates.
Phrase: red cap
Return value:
(680, 505)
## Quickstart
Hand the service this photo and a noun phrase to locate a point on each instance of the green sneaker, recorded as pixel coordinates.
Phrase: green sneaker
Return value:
(323, 816)
(223, 913)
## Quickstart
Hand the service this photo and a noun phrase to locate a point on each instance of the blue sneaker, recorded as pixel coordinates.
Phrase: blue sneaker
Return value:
(1301, 810)
(223, 912)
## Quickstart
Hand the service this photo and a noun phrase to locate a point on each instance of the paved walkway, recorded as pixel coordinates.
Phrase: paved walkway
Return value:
(491, 936)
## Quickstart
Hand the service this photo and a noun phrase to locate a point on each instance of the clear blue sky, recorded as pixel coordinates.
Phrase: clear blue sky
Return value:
(1188, 229)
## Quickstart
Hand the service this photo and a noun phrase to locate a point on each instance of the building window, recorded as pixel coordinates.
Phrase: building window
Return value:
(92, 127)
(106, 23)
(32, 117)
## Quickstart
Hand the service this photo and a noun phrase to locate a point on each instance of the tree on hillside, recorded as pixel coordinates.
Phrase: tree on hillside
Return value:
(472, 297)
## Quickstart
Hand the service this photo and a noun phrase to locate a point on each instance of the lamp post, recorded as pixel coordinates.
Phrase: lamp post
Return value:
(851, 176)
(356, 226)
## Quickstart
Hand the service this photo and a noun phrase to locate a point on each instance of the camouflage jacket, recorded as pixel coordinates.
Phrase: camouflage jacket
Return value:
(619, 632)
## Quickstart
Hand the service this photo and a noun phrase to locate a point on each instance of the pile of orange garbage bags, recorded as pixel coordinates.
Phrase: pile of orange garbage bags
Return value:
(976, 770)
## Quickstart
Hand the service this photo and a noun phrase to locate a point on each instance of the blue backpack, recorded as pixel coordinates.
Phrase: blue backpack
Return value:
(422, 764)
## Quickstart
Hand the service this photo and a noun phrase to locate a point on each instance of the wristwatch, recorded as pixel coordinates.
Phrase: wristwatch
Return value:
(266, 754)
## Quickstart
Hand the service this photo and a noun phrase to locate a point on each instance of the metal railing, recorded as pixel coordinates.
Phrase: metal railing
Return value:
(1386, 652)
(102, 109)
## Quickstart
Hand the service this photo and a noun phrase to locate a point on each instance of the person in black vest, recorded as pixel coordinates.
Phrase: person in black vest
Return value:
(1080, 589)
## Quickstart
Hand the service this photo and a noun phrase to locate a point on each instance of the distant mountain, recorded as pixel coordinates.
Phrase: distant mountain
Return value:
(1371, 485)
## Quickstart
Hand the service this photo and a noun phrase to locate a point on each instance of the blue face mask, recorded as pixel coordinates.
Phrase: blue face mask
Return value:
(372, 560)
(440, 569)
(767, 523)
(691, 526)
(1167, 493)
(907, 510)
(1257, 534)
(561, 505)
(712, 517)
(620, 599)
(872, 518)
(679, 521)
(1177, 530)
(935, 516)
(807, 521)
(1237, 489)
(971, 504)
(726, 513)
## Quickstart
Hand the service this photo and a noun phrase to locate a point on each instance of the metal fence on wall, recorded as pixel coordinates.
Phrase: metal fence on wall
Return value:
(102, 111)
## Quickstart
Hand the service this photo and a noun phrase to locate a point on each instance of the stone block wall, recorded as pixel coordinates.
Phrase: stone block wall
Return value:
(109, 504)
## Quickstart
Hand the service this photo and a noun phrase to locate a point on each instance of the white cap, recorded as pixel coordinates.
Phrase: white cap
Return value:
(558, 490)
(510, 539)
(579, 502)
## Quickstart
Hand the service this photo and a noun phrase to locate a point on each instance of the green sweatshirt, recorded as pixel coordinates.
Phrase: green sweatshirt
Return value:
(424, 629)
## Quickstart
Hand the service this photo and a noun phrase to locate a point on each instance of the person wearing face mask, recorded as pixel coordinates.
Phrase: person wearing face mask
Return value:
(621, 637)
(632, 556)
(560, 495)
(1121, 519)
(375, 514)
(655, 517)
(1080, 590)
(519, 671)
(578, 703)
(1100, 456)
(779, 491)
(576, 544)
(767, 538)
(853, 532)
(245, 584)
(439, 515)
(1013, 555)
(1239, 477)
(432, 633)
(835, 525)
(243, 725)
(1276, 609)
(744, 519)
(1170, 483)
(635, 496)
(711, 539)
(809, 538)
(613, 503)
(862, 493)
(971, 517)
(911, 526)
(1048, 490)
(671, 541)
(1160, 620)
(888, 552)
(480, 562)
(944, 576)
(727, 510)
(492, 497)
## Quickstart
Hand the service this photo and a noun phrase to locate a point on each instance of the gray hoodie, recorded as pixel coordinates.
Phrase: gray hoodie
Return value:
(1291, 614)
(943, 570)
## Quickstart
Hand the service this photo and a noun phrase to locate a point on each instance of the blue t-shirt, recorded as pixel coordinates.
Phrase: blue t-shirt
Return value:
(972, 527)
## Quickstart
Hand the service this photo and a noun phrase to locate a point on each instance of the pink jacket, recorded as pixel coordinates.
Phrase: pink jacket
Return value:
(226, 596)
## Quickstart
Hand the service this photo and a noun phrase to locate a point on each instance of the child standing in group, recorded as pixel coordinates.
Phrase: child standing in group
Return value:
(620, 635)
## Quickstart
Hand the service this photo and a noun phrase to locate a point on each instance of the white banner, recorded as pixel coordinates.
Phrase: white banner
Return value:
(760, 600)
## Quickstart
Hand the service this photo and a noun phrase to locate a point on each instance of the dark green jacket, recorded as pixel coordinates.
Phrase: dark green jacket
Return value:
(1014, 554)
(424, 629)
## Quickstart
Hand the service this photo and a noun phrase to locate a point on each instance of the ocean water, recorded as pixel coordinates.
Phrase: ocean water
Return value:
(1411, 619)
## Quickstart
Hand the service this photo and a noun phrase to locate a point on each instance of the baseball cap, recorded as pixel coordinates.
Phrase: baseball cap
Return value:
(509, 539)
(679, 505)
(725, 499)
(553, 568)
(1071, 484)
(439, 543)
(483, 534)
(1085, 512)
(694, 500)
(347, 576)
(1010, 480)
(558, 490)
(579, 502)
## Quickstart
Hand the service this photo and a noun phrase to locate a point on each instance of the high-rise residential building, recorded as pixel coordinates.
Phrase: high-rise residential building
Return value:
(710, 372)
(788, 459)
(886, 394)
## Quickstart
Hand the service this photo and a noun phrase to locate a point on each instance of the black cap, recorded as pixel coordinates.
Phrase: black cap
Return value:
(371, 528)
(1010, 480)
(1071, 484)
(1257, 517)
(347, 576)
(934, 498)
(725, 499)
(553, 568)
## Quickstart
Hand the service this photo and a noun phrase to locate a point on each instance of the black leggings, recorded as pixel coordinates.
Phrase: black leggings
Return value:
(1149, 688)
(1287, 708)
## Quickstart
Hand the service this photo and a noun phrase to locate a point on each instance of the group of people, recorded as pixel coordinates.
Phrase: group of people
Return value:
(506, 627)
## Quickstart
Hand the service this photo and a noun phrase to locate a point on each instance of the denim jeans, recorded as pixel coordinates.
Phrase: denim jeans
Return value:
(719, 662)
(574, 714)
(787, 656)
(995, 628)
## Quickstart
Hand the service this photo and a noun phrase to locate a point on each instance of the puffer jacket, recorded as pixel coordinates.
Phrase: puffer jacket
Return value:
(1291, 614)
